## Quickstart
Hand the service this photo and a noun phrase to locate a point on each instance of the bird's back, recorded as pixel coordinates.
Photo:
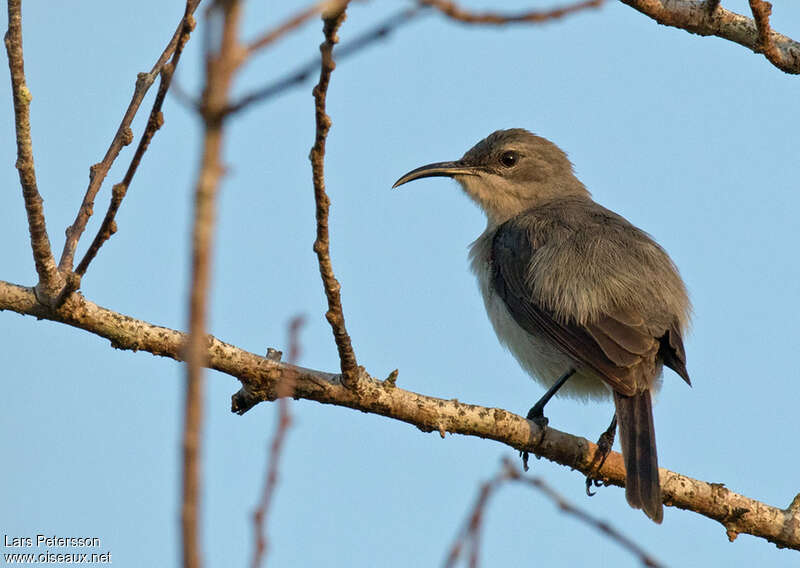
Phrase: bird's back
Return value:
(587, 261)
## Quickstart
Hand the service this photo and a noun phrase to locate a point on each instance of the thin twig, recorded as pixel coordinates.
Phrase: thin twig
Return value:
(694, 17)
(123, 137)
(269, 37)
(276, 447)
(452, 10)
(261, 379)
(154, 123)
(50, 281)
(334, 315)
(223, 56)
(303, 72)
(761, 12)
(471, 532)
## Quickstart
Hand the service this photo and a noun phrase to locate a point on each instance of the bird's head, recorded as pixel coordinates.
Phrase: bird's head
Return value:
(507, 173)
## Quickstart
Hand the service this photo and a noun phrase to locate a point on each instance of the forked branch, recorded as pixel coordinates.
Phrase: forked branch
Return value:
(708, 18)
(123, 137)
(154, 122)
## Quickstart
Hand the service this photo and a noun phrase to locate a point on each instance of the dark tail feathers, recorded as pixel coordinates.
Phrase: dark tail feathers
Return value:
(638, 440)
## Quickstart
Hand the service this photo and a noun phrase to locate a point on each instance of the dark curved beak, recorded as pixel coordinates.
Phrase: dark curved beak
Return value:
(438, 169)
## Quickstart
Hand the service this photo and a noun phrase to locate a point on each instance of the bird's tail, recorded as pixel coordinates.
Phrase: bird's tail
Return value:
(638, 440)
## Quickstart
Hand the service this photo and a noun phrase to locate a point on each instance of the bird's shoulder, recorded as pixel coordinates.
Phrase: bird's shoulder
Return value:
(571, 220)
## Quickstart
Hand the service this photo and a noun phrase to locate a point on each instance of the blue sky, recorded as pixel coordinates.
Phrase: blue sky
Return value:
(692, 139)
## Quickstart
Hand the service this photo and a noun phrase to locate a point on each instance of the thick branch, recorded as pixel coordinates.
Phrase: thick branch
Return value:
(50, 281)
(123, 137)
(701, 18)
(335, 315)
(261, 380)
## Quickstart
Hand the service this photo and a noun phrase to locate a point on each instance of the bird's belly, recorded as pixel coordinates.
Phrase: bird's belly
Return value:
(537, 356)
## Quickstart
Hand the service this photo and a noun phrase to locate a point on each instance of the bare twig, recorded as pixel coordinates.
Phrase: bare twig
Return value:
(261, 378)
(381, 31)
(223, 56)
(334, 315)
(694, 17)
(761, 12)
(452, 10)
(154, 123)
(123, 137)
(471, 533)
(269, 37)
(303, 72)
(50, 281)
(276, 448)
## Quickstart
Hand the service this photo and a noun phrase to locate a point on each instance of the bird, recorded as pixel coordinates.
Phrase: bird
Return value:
(588, 304)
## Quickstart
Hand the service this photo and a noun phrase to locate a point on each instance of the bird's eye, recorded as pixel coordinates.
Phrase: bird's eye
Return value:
(509, 158)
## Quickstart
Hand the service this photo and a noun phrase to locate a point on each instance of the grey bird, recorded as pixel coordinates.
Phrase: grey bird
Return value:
(585, 301)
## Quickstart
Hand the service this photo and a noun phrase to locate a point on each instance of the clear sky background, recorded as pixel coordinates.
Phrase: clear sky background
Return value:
(693, 139)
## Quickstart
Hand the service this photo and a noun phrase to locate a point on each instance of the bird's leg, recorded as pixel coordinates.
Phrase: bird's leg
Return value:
(536, 413)
(604, 444)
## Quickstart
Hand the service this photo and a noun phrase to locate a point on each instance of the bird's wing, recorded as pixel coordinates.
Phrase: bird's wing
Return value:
(616, 346)
(672, 352)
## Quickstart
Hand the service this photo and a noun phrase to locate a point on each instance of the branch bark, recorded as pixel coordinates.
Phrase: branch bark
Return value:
(50, 280)
(335, 315)
(709, 19)
(261, 380)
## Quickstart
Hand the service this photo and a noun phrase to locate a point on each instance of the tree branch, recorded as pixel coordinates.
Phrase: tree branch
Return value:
(276, 447)
(50, 280)
(452, 10)
(471, 532)
(335, 316)
(261, 381)
(761, 12)
(154, 122)
(695, 17)
(303, 72)
(123, 137)
(269, 37)
(223, 56)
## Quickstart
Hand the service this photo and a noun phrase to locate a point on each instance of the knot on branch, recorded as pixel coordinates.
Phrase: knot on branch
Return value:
(126, 139)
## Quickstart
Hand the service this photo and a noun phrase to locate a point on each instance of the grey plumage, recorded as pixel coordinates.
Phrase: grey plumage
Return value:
(568, 284)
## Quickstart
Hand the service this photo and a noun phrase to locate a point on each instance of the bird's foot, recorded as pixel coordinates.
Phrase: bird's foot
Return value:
(604, 444)
(535, 415)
